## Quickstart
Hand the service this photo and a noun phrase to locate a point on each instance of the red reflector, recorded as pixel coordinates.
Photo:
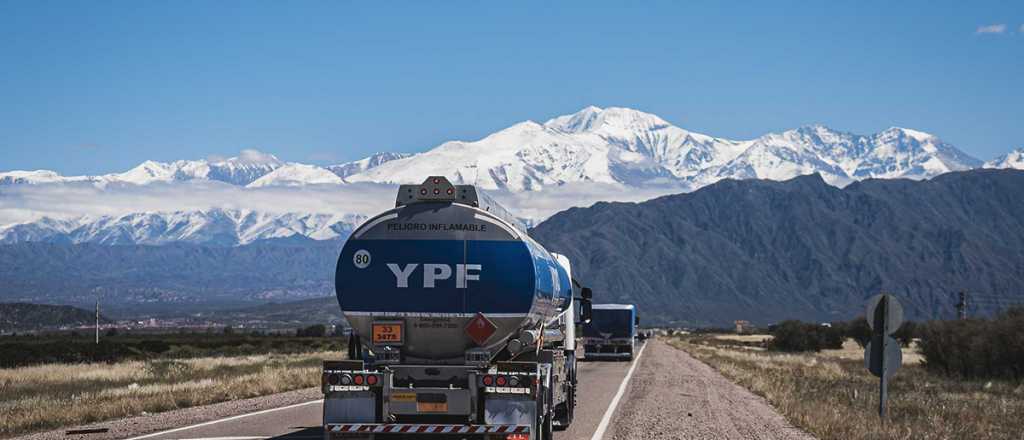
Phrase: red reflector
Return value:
(502, 381)
(437, 191)
(519, 436)
(371, 380)
(488, 380)
(437, 181)
(358, 379)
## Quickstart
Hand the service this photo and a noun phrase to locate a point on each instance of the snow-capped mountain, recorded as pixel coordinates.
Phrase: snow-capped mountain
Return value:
(241, 170)
(217, 227)
(625, 146)
(1013, 159)
(36, 177)
(841, 157)
(541, 167)
(296, 174)
(355, 167)
(612, 145)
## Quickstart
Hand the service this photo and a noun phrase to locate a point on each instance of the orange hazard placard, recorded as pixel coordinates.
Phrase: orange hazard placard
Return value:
(387, 333)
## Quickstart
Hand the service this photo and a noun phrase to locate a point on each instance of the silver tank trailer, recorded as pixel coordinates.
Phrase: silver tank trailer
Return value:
(415, 280)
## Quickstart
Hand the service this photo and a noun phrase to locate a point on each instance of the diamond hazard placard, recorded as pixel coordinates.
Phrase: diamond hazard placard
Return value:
(480, 328)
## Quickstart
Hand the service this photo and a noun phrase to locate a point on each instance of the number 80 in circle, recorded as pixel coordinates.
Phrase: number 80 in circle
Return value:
(361, 259)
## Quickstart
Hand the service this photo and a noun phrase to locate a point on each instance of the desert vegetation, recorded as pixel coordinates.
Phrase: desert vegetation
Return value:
(115, 346)
(56, 395)
(960, 379)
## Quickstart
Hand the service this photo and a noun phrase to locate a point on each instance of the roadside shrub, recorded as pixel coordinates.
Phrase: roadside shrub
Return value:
(313, 331)
(801, 336)
(858, 330)
(976, 348)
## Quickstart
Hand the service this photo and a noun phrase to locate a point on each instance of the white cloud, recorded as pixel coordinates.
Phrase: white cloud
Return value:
(21, 203)
(991, 29)
(25, 203)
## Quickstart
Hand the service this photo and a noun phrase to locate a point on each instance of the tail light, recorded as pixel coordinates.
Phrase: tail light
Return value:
(488, 380)
(517, 436)
(371, 379)
(357, 379)
(501, 381)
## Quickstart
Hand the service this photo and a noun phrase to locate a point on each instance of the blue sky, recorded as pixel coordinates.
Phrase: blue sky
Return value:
(92, 87)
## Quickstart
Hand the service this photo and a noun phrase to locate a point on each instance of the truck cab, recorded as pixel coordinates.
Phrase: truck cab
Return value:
(611, 333)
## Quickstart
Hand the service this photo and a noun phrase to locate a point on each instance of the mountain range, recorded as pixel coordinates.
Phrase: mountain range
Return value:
(612, 145)
(625, 150)
(765, 251)
(755, 250)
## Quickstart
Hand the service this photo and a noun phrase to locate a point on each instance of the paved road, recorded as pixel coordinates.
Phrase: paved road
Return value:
(669, 396)
(599, 382)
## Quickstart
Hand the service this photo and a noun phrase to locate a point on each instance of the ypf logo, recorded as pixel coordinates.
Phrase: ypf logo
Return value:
(432, 273)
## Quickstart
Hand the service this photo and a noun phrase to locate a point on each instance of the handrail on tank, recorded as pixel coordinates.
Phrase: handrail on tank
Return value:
(439, 189)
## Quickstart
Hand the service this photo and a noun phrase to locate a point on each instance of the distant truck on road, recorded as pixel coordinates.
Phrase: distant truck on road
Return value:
(462, 325)
(611, 332)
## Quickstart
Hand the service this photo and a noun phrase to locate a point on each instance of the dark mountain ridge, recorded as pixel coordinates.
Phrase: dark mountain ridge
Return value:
(764, 251)
(24, 316)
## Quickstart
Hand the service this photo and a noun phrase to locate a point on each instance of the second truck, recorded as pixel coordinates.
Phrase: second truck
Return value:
(462, 325)
(611, 333)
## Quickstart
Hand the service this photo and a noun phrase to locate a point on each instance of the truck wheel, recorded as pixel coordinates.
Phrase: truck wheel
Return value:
(546, 427)
(564, 412)
(544, 417)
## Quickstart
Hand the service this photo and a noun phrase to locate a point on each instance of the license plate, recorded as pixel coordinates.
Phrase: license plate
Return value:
(432, 406)
(387, 333)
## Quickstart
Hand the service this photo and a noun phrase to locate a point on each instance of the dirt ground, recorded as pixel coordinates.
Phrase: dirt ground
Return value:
(673, 396)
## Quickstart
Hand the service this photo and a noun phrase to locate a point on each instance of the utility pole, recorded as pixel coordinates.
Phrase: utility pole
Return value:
(97, 318)
(961, 306)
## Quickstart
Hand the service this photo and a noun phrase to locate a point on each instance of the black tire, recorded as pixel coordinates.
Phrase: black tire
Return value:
(565, 411)
(545, 416)
(547, 427)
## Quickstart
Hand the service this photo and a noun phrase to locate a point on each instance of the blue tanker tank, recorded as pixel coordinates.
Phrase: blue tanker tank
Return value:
(446, 272)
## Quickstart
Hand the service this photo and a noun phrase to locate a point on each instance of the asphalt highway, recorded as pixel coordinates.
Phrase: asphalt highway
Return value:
(599, 382)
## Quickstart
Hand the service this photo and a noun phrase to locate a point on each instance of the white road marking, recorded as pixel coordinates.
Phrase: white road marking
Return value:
(603, 426)
(213, 422)
(226, 438)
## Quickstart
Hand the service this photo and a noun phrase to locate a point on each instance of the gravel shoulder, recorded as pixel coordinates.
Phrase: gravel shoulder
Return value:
(150, 423)
(672, 396)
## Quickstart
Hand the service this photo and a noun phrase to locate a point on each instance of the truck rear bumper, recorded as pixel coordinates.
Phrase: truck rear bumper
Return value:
(408, 428)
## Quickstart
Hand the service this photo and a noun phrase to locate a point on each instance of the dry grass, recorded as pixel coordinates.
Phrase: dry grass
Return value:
(50, 396)
(834, 397)
(743, 338)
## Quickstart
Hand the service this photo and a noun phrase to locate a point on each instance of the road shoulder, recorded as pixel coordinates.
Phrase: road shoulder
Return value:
(676, 396)
(151, 423)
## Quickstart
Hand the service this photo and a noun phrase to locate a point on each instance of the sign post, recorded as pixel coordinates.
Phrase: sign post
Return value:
(882, 356)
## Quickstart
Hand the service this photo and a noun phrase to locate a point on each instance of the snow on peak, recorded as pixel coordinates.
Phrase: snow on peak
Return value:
(296, 174)
(217, 227)
(250, 157)
(1013, 159)
(358, 166)
(612, 119)
(919, 136)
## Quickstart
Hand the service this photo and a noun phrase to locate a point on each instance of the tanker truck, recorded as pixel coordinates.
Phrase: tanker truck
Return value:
(611, 333)
(462, 325)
